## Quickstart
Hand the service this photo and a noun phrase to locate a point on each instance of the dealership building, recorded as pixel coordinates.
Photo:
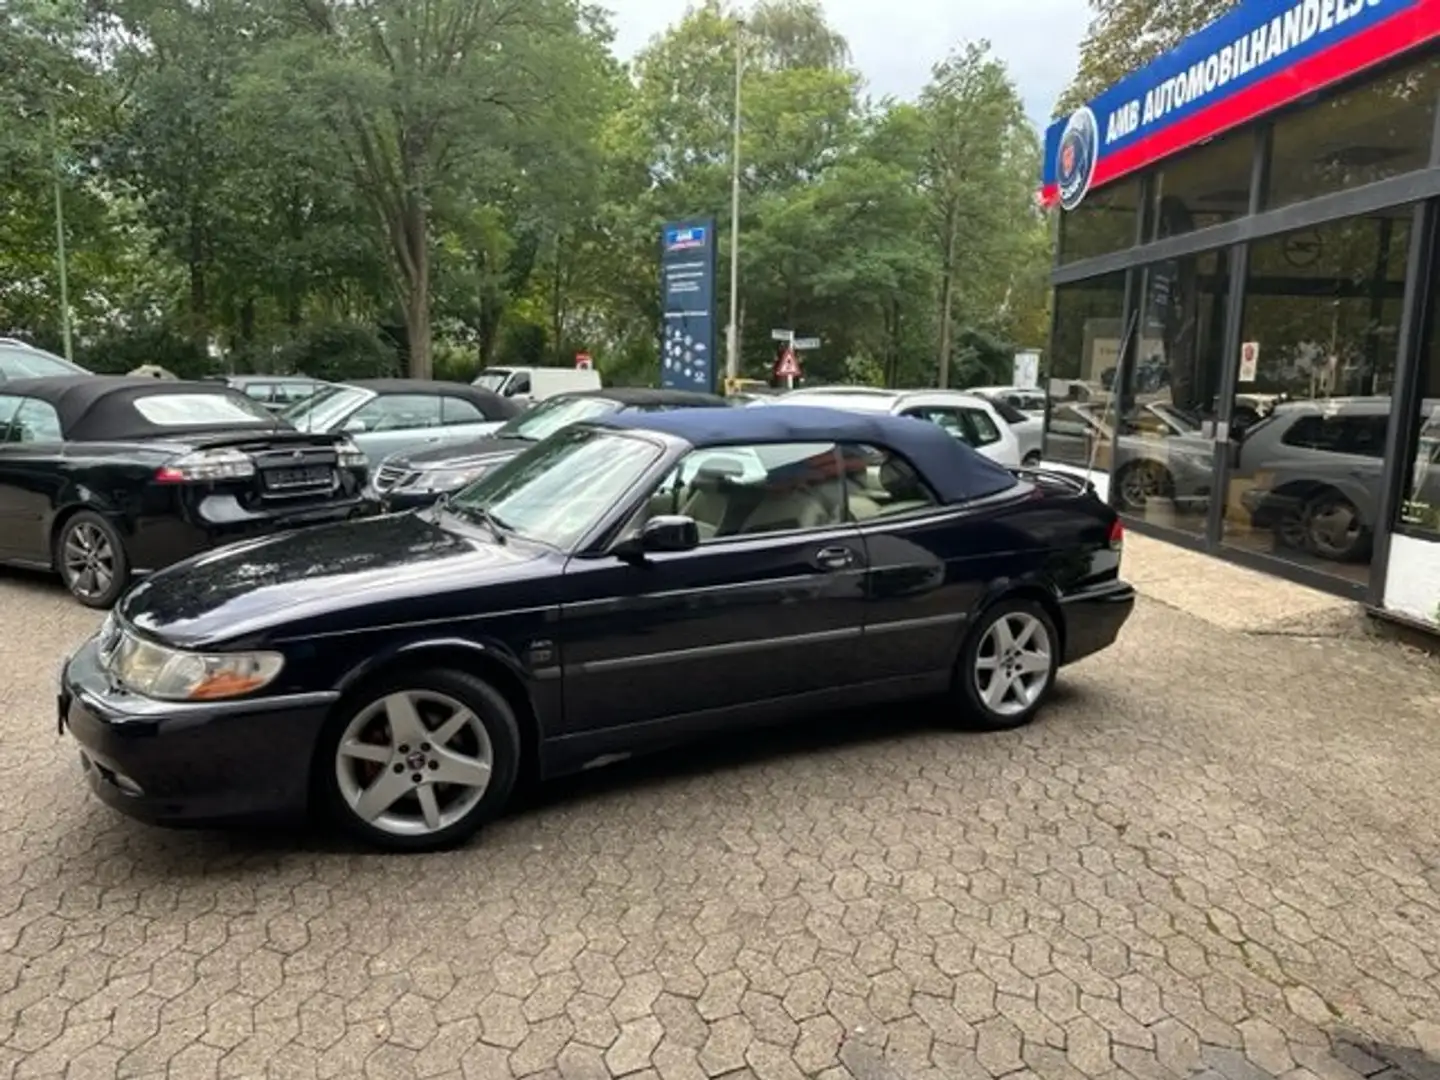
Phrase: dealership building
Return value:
(1246, 339)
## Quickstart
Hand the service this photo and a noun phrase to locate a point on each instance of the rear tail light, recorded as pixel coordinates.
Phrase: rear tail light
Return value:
(205, 465)
(349, 456)
(1117, 535)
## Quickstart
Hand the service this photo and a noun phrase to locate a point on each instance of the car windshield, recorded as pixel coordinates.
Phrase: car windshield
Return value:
(559, 489)
(550, 416)
(323, 410)
(19, 362)
(492, 379)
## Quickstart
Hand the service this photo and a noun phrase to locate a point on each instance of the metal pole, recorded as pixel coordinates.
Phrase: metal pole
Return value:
(60, 236)
(732, 330)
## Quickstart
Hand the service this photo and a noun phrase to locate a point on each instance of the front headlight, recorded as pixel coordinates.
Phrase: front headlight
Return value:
(350, 456)
(449, 479)
(157, 671)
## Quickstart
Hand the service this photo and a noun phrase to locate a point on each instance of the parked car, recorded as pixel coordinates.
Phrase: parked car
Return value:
(1316, 469)
(1159, 453)
(971, 419)
(391, 416)
(1028, 400)
(104, 477)
(1029, 430)
(276, 392)
(532, 384)
(409, 480)
(583, 602)
(19, 360)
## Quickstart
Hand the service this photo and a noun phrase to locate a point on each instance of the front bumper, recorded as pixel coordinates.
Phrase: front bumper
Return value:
(194, 764)
(395, 502)
(1093, 618)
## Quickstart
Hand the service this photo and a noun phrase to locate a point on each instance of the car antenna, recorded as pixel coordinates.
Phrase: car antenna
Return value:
(1114, 395)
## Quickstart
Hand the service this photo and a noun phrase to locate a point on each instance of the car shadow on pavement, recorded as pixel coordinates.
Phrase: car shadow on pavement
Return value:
(195, 850)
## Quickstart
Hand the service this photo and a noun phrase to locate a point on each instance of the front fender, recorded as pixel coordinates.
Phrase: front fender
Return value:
(485, 652)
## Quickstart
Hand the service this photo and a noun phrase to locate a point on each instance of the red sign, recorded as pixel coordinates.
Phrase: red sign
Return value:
(583, 361)
(786, 366)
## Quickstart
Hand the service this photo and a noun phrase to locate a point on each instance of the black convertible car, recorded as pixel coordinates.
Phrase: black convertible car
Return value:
(631, 581)
(408, 481)
(103, 477)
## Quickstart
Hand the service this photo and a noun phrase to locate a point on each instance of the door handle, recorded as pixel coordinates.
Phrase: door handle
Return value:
(834, 558)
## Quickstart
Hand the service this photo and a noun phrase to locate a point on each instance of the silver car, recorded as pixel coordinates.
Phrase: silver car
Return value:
(392, 416)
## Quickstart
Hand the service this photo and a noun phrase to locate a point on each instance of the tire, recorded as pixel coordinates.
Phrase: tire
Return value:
(985, 656)
(1139, 482)
(375, 779)
(1332, 528)
(91, 560)
(1031, 459)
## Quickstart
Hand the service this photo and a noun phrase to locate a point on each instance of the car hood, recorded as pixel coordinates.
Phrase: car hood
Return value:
(339, 577)
(460, 454)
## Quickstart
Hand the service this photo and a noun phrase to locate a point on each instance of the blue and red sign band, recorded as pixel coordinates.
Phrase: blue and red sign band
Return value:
(1261, 56)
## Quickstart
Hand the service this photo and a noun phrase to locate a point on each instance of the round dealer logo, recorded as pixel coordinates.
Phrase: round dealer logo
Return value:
(1075, 164)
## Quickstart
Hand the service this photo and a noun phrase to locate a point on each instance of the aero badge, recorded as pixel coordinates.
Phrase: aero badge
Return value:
(1079, 148)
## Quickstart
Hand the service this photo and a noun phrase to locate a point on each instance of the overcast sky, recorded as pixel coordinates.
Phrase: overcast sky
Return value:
(895, 42)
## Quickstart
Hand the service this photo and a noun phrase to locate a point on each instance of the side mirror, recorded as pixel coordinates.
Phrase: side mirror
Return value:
(354, 427)
(666, 532)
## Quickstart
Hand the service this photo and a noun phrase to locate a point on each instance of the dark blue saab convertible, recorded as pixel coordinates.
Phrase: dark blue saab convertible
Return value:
(631, 581)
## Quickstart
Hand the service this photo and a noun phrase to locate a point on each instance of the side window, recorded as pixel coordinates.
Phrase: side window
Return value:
(943, 417)
(293, 392)
(454, 410)
(400, 412)
(35, 422)
(983, 431)
(260, 391)
(735, 491)
(1362, 436)
(9, 404)
(880, 483)
(519, 384)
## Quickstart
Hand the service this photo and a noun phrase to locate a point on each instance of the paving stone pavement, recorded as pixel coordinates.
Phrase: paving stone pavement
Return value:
(1214, 856)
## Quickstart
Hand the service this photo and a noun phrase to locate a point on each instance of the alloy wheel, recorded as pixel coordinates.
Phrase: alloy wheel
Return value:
(1141, 483)
(1333, 528)
(413, 763)
(88, 560)
(1012, 665)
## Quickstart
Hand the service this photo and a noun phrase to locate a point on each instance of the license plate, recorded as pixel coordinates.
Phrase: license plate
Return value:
(303, 476)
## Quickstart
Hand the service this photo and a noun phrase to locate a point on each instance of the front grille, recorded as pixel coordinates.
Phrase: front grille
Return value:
(389, 476)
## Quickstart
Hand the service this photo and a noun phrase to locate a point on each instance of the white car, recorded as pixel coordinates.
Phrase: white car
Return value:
(969, 418)
(1030, 401)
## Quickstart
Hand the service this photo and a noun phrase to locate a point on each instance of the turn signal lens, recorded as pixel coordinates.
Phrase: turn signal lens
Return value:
(1117, 535)
(200, 466)
(350, 456)
(157, 671)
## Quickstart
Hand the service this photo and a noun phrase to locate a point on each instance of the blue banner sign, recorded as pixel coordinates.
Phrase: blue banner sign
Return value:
(1260, 56)
(687, 305)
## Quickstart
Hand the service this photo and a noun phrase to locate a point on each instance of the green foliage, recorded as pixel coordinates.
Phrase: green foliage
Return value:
(268, 181)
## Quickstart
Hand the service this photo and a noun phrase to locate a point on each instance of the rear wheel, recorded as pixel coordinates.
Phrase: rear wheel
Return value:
(1139, 482)
(91, 560)
(1031, 459)
(1007, 668)
(420, 762)
(1332, 528)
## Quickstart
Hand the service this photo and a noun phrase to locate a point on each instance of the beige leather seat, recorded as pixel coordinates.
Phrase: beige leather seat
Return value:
(801, 508)
(905, 490)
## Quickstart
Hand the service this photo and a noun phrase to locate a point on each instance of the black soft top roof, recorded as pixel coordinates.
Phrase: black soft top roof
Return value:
(491, 404)
(101, 408)
(641, 396)
(954, 471)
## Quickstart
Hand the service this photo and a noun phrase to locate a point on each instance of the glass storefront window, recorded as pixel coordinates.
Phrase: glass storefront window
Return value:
(1320, 334)
(1104, 222)
(1420, 494)
(1377, 130)
(1165, 452)
(1205, 187)
(1083, 357)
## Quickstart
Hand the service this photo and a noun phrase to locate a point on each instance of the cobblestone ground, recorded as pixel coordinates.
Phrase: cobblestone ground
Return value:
(1215, 855)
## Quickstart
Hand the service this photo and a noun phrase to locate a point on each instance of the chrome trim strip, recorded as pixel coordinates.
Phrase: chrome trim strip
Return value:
(729, 648)
(948, 619)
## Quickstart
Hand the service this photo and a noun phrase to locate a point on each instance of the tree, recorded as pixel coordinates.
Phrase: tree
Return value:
(979, 167)
(413, 97)
(1125, 35)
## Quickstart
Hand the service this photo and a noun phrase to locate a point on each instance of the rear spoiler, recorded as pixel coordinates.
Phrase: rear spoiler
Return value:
(1043, 478)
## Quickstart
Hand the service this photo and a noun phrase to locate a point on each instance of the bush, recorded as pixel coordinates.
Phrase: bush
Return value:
(121, 351)
(337, 352)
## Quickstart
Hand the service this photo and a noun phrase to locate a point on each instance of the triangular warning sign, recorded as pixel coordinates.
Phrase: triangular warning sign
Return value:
(787, 367)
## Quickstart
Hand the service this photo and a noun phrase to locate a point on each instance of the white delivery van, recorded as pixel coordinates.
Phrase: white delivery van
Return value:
(531, 384)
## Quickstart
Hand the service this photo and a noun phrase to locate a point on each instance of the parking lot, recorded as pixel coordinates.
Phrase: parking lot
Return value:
(1217, 853)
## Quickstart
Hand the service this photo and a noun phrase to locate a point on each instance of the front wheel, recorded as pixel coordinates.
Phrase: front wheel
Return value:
(1031, 460)
(420, 762)
(1139, 482)
(90, 557)
(1007, 668)
(1332, 528)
